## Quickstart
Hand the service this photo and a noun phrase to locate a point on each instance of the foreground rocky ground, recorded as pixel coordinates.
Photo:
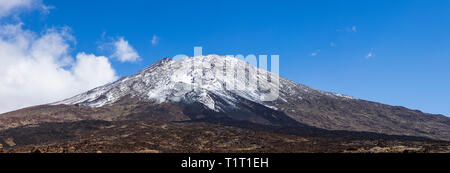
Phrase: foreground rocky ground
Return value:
(175, 137)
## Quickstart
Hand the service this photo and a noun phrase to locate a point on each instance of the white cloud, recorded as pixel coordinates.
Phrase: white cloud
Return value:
(155, 40)
(38, 69)
(93, 70)
(124, 52)
(370, 54)
(315, 53)
(8, 7)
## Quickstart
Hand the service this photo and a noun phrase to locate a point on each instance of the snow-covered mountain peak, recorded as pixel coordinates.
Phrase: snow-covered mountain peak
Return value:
(198, 79)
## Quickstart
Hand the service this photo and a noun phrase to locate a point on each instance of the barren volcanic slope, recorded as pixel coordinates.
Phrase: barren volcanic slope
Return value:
(195, 90)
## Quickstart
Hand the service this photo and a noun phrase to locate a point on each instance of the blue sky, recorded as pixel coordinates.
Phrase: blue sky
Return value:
(394, 52)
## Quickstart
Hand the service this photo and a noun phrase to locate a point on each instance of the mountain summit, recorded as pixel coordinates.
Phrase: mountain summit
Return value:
(200, 80)
(188, 80)
(223, 89)
(212, 85)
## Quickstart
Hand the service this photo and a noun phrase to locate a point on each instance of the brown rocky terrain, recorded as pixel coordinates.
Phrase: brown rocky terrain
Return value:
(152, 137)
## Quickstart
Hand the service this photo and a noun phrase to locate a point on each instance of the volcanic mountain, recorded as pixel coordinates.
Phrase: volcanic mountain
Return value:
(225, 90)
